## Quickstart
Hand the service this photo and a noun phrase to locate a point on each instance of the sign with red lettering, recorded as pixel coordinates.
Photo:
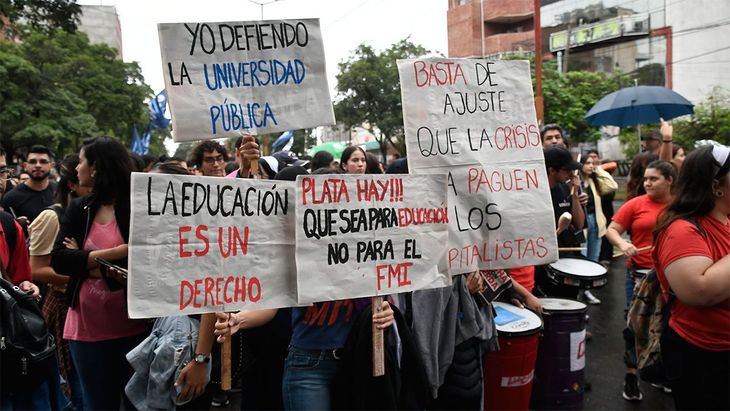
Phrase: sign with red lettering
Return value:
(474, 120)
(208, 244)
(368, 235)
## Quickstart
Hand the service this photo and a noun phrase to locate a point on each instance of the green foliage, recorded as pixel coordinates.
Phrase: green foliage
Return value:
(710, 121)
(569, 96)
(368, 89)
(45, 15)
(59, 88)
(303, 140)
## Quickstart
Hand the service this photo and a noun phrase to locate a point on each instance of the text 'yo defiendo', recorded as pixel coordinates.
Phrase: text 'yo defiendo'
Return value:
(186, 199)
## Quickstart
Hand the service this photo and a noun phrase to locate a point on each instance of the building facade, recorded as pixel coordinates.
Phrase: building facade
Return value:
(101, 24)
(681, 44)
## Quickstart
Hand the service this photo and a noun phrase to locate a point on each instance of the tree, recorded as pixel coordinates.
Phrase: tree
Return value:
(59, 88)
(569, 96)
(368, 89)
(710, 121)
(41, 14)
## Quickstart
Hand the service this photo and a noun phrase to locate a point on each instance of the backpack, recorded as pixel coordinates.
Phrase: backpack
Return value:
(27, 348)
(648, 317)
(10, 229)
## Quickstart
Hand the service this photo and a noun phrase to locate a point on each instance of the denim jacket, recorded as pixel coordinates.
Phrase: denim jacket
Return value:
(158, 360)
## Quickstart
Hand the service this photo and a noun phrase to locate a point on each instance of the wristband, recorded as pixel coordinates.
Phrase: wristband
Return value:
(667, 141)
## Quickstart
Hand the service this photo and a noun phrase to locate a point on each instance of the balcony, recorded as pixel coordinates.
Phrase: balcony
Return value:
(499, 43)
(501, 11)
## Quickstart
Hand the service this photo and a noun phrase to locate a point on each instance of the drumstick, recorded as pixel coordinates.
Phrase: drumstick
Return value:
(571, 248)
(641, 249)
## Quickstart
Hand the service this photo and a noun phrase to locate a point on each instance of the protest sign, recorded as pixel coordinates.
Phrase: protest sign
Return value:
(369, 235)
(475, 121)
(224, 79)
(208, 244)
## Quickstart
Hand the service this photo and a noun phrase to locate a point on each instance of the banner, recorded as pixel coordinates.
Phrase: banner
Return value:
(207, 244)
(474, 120)
(223, 79)
(368, 235)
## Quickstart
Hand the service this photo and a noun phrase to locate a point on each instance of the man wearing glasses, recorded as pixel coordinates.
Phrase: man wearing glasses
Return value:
(210, 158)
(30, 198)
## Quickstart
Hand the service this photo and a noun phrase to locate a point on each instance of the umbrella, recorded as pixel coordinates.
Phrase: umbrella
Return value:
(333, 147)
(638, 105)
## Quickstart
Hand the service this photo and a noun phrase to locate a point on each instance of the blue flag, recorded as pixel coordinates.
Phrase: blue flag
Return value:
(158, 106)
(284, 138)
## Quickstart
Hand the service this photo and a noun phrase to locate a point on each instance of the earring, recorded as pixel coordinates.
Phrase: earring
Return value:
(719, 193)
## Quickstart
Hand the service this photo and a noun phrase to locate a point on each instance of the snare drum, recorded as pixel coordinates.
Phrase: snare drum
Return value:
(508, 373)
(577, 272)
(559, 380)
(640, 273)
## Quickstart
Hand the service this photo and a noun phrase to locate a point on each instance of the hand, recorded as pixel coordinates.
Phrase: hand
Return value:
(666, 130)
(70, 243)
(583, 198)
(628, 249)
(384, 318)
(194, 377)
(226, 322)
(534, 304)
(249, 151)
(475, 282)
(23, 221)
(563, 222)
(116, 275)
(31, 288)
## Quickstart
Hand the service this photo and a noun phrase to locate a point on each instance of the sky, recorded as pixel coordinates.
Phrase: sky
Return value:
(344, 23)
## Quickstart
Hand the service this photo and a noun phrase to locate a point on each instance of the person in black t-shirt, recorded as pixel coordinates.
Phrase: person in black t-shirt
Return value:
(560, 167)
(30, 198)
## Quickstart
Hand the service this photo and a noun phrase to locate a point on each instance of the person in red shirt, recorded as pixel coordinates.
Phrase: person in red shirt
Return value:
(692, 259)
(639, 216)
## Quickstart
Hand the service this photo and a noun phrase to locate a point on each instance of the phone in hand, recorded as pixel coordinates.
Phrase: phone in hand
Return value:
(107, 264)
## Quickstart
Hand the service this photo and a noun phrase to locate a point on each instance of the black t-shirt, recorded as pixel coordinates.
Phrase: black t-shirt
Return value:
(27, 202)
(563, 202)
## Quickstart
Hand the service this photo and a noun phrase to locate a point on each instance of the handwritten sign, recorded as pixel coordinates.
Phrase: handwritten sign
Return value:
(475, 121)
(259, 77)
(368, 235)
(207, 244)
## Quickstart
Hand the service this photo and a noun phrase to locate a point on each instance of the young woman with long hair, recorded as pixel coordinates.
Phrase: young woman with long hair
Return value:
(97, 327)
(692, 259)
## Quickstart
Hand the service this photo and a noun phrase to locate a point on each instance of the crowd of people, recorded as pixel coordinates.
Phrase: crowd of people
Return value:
(66, 226)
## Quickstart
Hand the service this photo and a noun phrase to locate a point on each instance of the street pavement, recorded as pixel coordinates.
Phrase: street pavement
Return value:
(604, 352)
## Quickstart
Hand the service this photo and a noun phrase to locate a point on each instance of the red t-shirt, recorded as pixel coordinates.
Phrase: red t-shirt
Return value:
(639, 216)
(705, 327)
(15, 262)
(525, 276)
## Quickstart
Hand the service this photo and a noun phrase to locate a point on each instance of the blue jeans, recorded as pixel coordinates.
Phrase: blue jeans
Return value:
(308, 378)
(593, 242)
(103, 370)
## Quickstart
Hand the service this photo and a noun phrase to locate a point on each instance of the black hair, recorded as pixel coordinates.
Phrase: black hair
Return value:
(209, 146)
(694, 195)
(113, 168)
(138, 162)
(372, 164)
(231, 166)
(40, 149)
(593, 176)
(67, 173)
(666, 169)
(348, 153)
(552, 126)
(2, 151)
(322, 159)
(170, 167)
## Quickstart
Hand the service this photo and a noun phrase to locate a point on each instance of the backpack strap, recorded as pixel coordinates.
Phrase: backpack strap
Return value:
(10, 229)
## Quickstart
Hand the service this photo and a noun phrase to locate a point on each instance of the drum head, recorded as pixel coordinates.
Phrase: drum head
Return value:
(512, 320)
(579, 267)
(562, 305)
(642, 271)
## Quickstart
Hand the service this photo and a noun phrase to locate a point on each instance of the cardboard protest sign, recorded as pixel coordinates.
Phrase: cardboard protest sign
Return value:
(369, 235)
(207, 244)
(223, 79)
(475, 121)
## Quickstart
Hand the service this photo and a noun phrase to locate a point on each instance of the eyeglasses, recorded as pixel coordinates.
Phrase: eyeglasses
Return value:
(36, 161)
(212, 160)
(6, 173)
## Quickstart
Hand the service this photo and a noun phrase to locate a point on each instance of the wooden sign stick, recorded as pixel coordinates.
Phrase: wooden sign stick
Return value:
(226, 363)
(378, 350)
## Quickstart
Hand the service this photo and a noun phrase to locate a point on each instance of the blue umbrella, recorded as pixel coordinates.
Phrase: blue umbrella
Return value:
(638, 105)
